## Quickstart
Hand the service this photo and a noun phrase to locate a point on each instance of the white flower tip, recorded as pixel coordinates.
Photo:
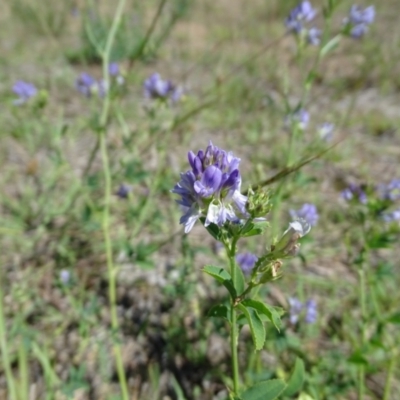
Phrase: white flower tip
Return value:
(301, 226)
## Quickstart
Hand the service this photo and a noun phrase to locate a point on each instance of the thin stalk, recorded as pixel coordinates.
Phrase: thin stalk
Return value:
(388, 382)
(234, 329)
(149, 32)
(23, 370)
(4, 349)
(112, 272)
(361, 372)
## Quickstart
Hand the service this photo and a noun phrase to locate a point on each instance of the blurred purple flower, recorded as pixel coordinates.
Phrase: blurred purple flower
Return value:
(358, 21)
(113, 69)
(307, 212)
(359, 16)
(86, 84)
(314, 36)
(24, 90)
(65, 276)
(311, 311)
(296, 307)
(303, 12)
(354, 192)
(123, 191)
(391, 191)
(392, 216)
(326, 131)
(299, 118)
(246, 262)
(157, 88)
(211, 189)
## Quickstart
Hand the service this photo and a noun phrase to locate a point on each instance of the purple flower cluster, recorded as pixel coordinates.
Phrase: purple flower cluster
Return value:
(301, 14)
(299, 118)
(24, 91)
(358, 21)
(115, 73)
(391, 216)
(211, 189)
(246, 262)
(155, 87)
(123, 191)
(89, 86)
(391, 191)
(308, 212)
(354, 192)
(297, 308)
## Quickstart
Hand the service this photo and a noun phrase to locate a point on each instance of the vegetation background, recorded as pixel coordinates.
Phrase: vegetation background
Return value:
(239, 71)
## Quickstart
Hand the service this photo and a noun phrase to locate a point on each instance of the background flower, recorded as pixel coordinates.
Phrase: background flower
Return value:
(307, 212)
(24, 90)
(246, 262)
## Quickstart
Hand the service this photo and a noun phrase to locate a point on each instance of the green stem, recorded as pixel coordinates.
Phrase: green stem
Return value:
(388, 383)
(112, 271)
(4, 349)
(234, 328)
(361, 374)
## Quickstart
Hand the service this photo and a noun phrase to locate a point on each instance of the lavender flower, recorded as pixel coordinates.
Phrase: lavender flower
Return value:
(115, 73)
(358, 21)
(288, 245)
(311, 311)
(24, 90)
(392, 216)
(296, 307)
(123, 191)
(86, 84)
(314, 36)
(246, 262)
(391, 191)
(299, 118)
(307, 212)
(113, 69)
(300, 15)
(157, 88)
(354, 192)
(211, 189)
(303, 12)
(360, 16)
(296, 310)
(65, 276)
(326, 131)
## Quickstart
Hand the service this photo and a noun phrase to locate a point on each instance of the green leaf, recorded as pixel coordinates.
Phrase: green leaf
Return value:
(255, 229)
(223, 277)
(256, 326)
(239, 280)
(219, 311)
(296, 380)
(394, 319)
(267, 390)
(331, 45)
(214, 231)
(357, 358)
(270, 312)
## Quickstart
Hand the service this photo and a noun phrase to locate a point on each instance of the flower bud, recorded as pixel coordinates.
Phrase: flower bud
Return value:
(287, 245)
(258, 204)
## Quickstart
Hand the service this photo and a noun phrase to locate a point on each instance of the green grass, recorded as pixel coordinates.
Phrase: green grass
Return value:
(59, 337)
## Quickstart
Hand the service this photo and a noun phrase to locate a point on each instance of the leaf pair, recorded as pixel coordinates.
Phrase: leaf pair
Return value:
(272, 389)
